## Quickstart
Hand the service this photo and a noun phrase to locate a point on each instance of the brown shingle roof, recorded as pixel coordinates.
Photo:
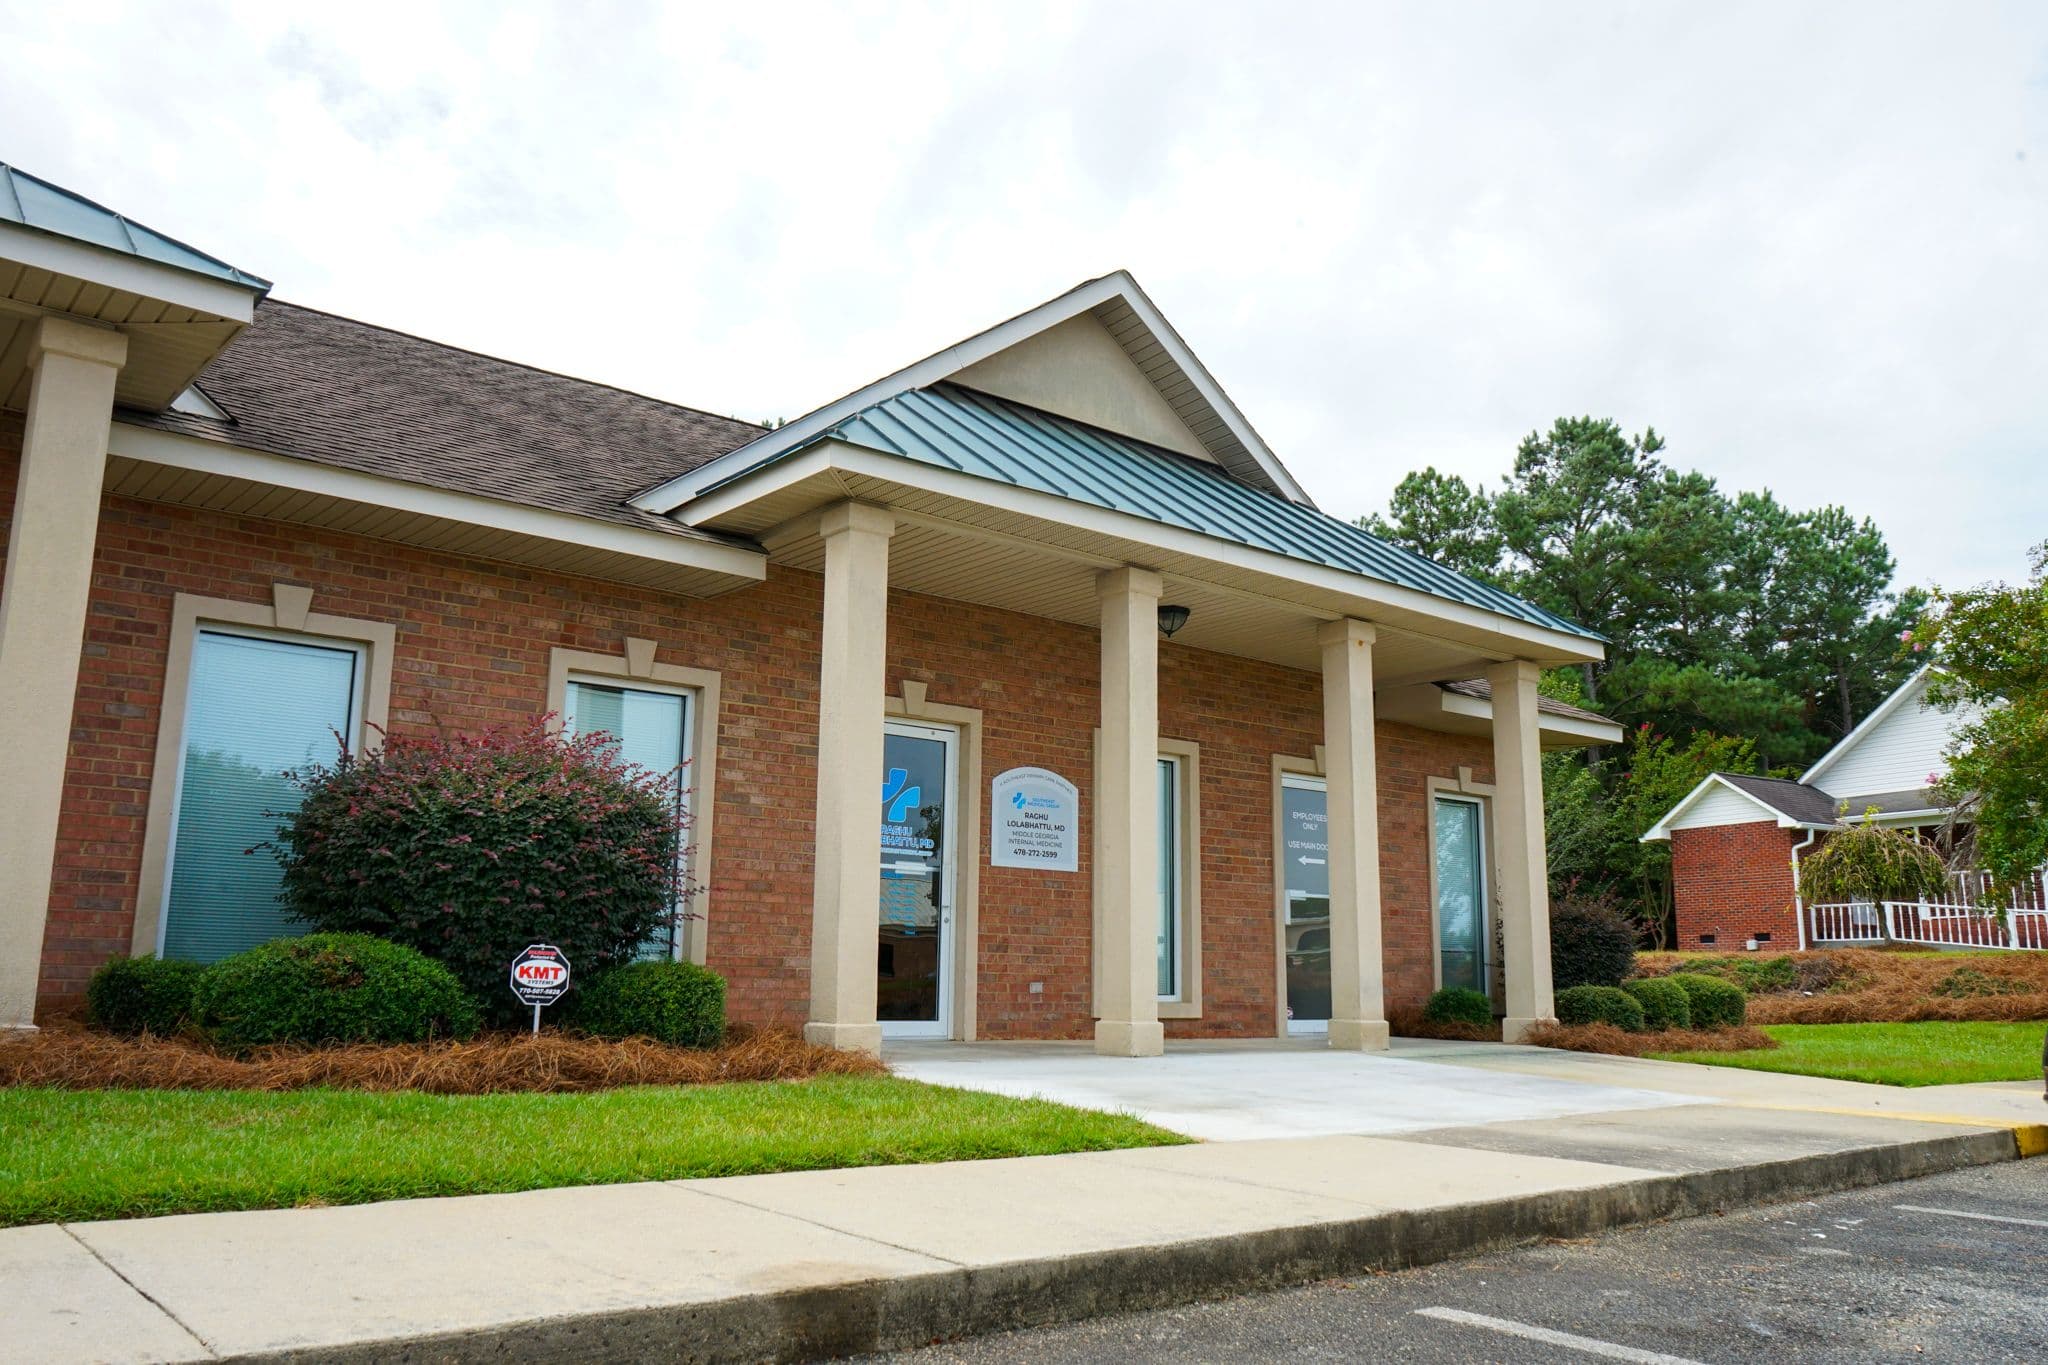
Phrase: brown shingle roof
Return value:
(313, 386)
(1809, 805)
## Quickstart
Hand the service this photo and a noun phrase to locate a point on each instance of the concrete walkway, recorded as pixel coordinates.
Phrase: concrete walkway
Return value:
(819, 1263)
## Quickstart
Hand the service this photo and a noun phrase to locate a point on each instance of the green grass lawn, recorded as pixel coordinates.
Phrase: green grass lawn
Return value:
(73, 1155)
(1936, 1053)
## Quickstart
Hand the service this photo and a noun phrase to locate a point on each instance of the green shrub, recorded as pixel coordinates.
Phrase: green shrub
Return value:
(1591, 944)
(1756, 975)
(1665, 1003)
(142, 995)
(470, 848)
(1599, 1005)
(331, 988)
(1458, 1005)
(670, 1002)
(1716, 1004)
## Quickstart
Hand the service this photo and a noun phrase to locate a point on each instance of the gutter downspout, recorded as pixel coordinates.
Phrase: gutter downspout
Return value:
(1798, 901)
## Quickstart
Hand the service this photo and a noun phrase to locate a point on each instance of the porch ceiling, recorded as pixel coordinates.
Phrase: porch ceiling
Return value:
(175, 321)
(970, 554)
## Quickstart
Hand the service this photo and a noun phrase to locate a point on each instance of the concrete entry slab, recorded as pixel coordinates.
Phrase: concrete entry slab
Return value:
(1271, 1088)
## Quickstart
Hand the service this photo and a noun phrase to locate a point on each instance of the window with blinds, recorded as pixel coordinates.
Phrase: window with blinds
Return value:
(652, 730)
(256, 708)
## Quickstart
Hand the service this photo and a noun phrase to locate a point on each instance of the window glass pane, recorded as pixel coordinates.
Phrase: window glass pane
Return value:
(255, 710)
(1305, 862)
(1460, 895)
(651, 730)
(1169, 879)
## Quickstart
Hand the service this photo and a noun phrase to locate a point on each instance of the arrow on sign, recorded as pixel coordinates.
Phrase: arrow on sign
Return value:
(1307, 861)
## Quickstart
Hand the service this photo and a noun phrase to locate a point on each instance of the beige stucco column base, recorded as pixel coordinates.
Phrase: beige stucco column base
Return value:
(846, 899)
(1514, 1030)
(1357, 978)
(42, 624)
(1130, 1038)
(1359, 1035)
(1127, 819)
(1520, 854)
(846, 1037)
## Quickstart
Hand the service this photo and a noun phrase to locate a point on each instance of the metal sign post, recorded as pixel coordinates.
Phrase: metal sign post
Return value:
(540, 976)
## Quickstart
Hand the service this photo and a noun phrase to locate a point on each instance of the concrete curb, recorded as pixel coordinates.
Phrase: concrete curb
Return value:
(893, 1314)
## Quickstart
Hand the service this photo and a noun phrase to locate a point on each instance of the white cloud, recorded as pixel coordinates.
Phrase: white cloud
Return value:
(1809, 244)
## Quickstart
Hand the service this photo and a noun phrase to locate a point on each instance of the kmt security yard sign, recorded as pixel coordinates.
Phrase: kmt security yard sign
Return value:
(540, 976)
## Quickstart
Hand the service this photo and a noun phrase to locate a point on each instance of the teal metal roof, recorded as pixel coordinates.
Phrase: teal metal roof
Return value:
(35, 203)
(991, 438)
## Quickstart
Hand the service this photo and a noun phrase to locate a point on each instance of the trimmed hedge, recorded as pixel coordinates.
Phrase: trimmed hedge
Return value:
(1599, 1005)
(142, 995)
(1665, 1003)
(1590, 945)
(670, 1002)
(1715, 1003)
(331, 988)
(1459, 1005)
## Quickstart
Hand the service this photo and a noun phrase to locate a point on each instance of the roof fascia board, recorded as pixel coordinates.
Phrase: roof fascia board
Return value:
(684, 488)
(1206, 385)
(200, 456)
(1863, 728)
(1564, 727)
(1526, 638)
(128, 274)
(1662, 829)
(667, 497)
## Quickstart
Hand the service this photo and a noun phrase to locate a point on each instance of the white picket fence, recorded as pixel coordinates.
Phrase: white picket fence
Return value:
(1964, 920)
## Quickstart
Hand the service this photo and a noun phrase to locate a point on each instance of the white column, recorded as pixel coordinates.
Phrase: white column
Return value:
(845, 913)
(1358, 1010)
(1521, 863)
(1127, 818)
(42, 623)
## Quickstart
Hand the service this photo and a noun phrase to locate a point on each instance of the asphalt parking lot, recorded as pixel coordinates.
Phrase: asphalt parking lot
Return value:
(1954, 1267)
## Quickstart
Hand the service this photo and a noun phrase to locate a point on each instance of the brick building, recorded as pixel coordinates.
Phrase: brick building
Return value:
(1150, 746)
(1736, 840)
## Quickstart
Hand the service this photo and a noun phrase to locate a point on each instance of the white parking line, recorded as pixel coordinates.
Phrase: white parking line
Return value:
(1980, 1217)
(1527, 1332)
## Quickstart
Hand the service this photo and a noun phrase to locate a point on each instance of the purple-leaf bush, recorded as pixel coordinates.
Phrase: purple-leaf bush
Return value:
(470, 847)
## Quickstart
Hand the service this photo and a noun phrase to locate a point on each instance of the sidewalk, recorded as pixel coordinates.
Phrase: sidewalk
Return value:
(819, 1263)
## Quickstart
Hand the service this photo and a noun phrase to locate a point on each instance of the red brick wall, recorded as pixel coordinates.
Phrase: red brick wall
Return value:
(473, 642)
(1733, 881)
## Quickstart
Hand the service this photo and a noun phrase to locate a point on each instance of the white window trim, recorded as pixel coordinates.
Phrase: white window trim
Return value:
(635, 666)
(287, 616)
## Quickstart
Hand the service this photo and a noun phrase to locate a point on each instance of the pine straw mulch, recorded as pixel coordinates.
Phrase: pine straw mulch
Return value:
(1870, 986)
(67, 1055)
(1609, 1039)
(1409, 1023)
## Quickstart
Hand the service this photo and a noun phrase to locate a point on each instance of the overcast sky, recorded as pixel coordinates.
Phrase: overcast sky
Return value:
(1808, 243)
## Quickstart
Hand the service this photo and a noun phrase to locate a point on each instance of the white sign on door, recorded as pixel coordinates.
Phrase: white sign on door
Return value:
(1034, 816)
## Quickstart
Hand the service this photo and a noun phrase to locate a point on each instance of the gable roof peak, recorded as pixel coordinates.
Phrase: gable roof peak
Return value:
(1126, 313)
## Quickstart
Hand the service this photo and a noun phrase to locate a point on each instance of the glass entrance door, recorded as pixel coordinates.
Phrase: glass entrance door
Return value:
(914, 989)
(1304, 854)
(1463, 940)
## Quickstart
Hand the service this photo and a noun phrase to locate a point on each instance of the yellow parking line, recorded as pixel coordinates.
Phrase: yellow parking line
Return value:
(2031, 1137)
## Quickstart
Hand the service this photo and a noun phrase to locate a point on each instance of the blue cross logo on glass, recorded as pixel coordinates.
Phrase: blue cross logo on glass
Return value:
(898, 798)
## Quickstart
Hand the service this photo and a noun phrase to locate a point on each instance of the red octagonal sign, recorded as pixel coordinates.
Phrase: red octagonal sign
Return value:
(540, 974)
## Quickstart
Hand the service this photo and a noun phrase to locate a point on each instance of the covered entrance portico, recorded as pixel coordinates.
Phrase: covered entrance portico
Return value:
(1042, 469)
